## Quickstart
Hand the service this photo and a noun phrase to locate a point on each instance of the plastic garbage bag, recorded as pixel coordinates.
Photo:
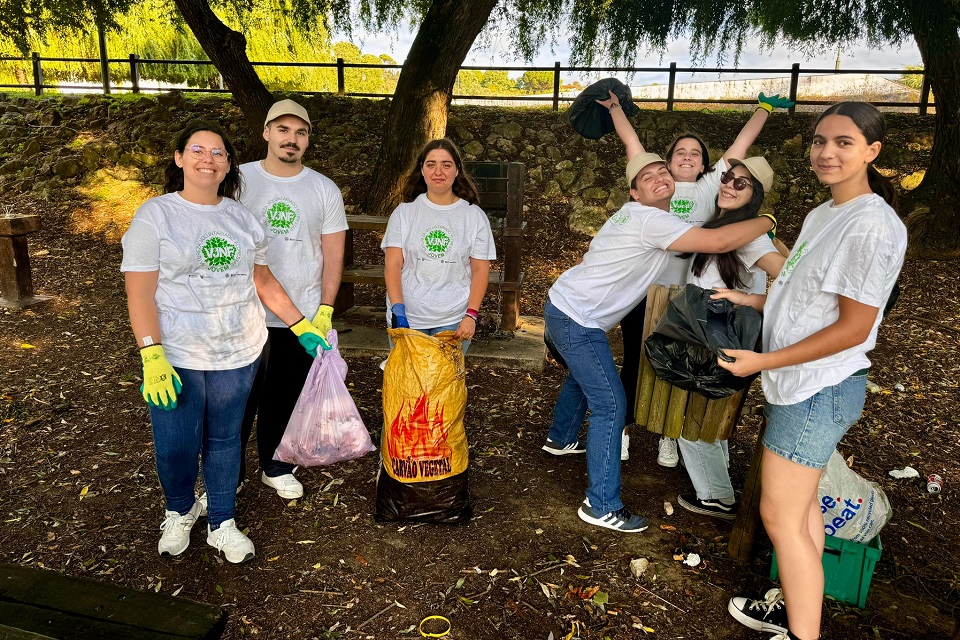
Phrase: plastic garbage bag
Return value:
(424, 453)
(684, 347)
(592, 120)
(853, 508)
(325, 426)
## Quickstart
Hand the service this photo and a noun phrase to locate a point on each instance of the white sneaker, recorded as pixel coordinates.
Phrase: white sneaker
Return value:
(235, 546)
(667, 454)
(625, 447)
(176, 531)
(287, 486)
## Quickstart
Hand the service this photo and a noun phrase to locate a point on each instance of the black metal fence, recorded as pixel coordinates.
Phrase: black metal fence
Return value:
(136, 63)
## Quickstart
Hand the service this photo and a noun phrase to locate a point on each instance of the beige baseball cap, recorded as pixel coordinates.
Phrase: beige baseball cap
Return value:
(759, 168)
(637, 164)
(286, 108)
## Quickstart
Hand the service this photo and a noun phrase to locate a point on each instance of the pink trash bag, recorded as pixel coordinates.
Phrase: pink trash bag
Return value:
(325, 426)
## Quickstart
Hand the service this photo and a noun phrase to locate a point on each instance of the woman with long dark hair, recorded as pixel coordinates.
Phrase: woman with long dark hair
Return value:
(742, 189)
(438, 247)
(194, 262)
(821, 320)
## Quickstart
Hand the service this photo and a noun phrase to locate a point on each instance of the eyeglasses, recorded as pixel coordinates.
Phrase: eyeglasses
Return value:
(197, 152)
(738, 183)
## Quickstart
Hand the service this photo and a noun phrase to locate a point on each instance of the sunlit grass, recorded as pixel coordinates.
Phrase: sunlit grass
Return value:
(110, 205)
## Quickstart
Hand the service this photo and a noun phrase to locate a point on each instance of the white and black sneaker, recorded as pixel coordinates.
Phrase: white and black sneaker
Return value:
(712, 508)
(769, 614)
(558, 449)
(620, 520)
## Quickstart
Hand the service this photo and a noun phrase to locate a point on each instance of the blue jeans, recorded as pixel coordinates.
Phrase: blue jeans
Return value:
(706, 463)
(205, 424)
(593, 382)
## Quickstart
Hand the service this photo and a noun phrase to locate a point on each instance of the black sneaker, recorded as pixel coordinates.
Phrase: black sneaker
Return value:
(769, 614)
(620, 520)
(564, 449)
(713, 508)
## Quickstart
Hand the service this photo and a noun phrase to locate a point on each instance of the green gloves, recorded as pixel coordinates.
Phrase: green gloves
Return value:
(773, 102)
(309, 337)
(161, 384)
(323, 321)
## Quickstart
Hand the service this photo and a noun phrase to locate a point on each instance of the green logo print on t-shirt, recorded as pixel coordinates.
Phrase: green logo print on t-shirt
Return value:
(796, 257)
(682, 207)
(281, 216)
(218, 251)
(619, 218)
(437, 241)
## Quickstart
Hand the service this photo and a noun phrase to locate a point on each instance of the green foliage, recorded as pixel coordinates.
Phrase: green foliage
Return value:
(536, 82)
(912, 80)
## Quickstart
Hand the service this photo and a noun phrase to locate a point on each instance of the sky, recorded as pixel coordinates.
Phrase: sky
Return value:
(500, 54)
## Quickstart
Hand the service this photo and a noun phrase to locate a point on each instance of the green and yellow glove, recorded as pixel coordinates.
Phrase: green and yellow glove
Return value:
(161, 384)
(323, 321)
(768, 104)
(309, 337)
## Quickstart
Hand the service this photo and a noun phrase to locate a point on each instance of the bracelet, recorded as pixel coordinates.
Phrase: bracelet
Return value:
(152, 344)
(615, 105)
(475, 321)
(772, 219)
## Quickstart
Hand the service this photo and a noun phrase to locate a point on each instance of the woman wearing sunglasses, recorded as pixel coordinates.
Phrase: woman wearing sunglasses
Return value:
(694, 201)
(742, 189)
(194, 261)
(820, 322)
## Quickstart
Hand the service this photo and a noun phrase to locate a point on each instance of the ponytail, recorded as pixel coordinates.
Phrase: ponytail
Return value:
(882, 186)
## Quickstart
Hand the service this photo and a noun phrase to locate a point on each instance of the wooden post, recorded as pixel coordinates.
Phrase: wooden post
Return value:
(671, 85)
(16, 282)
(556, 86)
(748, 516)
(924, 94)
(37, 74)
(135, 73)
(341, 83)
(104, 60)
(794, 85)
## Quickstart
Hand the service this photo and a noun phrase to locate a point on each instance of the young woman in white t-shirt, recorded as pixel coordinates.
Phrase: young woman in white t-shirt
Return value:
(742, 189)
(697, 186)
(438, 247)
(194, 261)
(821, 319)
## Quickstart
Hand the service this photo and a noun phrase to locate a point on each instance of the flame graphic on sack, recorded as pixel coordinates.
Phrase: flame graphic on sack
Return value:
(419, 436)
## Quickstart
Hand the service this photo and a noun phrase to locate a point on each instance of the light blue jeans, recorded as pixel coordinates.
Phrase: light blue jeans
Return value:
(706, 464)
(593, 382)
(205, 424)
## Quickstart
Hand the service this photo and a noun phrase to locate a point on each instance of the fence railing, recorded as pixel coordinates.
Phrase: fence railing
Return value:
(135, 64)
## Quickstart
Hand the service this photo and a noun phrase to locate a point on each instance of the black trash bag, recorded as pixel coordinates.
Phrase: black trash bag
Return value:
(592, 120)
(445, 501)
(684, 347)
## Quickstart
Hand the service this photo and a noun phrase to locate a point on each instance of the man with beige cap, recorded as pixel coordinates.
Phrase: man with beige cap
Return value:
(302, 213)
(589, 299)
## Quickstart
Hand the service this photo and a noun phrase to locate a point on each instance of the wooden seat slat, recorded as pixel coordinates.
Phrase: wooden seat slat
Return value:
(373, 274)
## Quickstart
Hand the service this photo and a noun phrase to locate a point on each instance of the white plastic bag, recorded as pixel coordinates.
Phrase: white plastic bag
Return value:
(325, 426)
(853, 508)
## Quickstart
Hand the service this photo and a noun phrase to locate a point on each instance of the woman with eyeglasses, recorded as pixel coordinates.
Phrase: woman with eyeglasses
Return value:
(438, 247)
(694, 201)
(820, 322)
(742, 189)
(194, 262)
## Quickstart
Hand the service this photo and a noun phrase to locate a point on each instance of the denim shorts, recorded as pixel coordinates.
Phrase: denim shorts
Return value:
(807, 432)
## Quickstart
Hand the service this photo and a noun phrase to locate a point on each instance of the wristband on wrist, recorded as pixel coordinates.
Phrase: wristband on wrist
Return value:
(473, 314)
(772, 219)
(150, 344)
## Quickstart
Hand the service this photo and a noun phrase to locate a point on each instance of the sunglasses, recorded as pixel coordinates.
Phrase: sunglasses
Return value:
(738, 183)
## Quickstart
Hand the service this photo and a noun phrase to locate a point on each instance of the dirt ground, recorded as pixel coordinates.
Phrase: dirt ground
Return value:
(79, 494)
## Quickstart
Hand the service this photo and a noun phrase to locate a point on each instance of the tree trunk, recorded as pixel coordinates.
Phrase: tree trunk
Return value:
(418, 112)
(934, 224)
(227, 49)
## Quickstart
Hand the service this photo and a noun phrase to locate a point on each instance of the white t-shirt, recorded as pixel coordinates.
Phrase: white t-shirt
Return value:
(853, 250)
(210, 316)
(294, 212)
(623, 260)
(437, 242)
(693, 203)
(754, 277)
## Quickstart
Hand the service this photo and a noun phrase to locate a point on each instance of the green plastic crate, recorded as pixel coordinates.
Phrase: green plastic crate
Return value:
(847, 569)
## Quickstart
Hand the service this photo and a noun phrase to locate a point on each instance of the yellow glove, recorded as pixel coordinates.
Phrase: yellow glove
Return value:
(309, 337)
(323, 321)
(161, 384)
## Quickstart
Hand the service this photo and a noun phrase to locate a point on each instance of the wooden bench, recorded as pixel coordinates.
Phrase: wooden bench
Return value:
(40, 604)
(16, 280)
(673, 412)
(501, 196)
